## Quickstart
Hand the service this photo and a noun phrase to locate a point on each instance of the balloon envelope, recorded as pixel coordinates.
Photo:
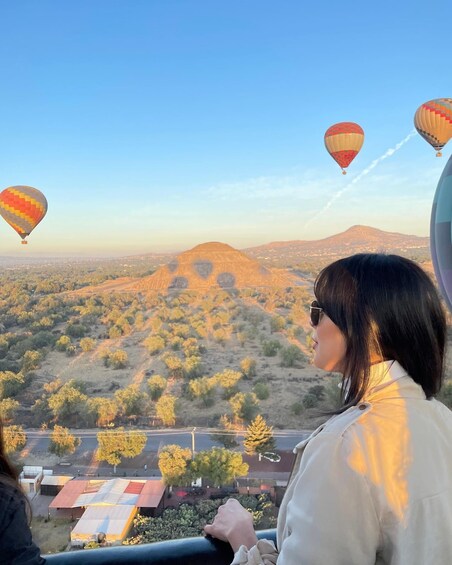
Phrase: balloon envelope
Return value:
(433, 121)
(343, 142)
(23, 207)
(441, 233)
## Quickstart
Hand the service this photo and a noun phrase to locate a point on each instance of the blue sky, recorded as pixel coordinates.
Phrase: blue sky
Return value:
(154, 125)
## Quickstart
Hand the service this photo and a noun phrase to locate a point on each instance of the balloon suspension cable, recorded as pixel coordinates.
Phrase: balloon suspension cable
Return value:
(344, 172)
(439, 154)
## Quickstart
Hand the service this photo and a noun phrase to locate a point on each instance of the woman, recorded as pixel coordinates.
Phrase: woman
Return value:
(373, 485)
(16, 544)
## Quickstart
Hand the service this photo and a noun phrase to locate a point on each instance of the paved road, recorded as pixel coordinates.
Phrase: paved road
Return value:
(38, 440)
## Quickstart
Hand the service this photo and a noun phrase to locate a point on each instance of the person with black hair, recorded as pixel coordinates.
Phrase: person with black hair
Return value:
(373, 485)
(16, 543)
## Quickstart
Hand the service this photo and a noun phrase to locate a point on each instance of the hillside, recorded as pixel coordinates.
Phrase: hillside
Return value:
(357, 239)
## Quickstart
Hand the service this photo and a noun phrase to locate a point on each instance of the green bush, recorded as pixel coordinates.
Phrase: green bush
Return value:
(261, 391)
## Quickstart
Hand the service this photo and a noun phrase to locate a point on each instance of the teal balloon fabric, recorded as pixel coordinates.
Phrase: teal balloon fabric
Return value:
(441, 233)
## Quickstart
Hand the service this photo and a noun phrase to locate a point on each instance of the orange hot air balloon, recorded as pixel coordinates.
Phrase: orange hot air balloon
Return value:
(343, 142)
(433, 121)
(23, 207)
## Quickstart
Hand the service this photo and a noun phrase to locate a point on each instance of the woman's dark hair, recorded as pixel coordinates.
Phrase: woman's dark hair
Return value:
(387, 307)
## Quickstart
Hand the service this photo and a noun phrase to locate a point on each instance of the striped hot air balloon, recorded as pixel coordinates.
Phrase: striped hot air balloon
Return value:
(23, 207)
(433, 121)
(343, 142)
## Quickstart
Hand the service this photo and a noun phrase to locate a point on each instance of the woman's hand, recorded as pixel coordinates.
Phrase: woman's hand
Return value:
(233, 524)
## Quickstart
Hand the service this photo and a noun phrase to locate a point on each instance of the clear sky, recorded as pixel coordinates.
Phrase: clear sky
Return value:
(155, 125)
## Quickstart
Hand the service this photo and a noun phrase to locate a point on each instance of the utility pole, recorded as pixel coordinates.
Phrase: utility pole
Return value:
(193, 443)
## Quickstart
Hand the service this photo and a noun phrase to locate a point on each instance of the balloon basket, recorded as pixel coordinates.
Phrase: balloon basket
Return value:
(439, 154)
(24, 242)
(344, 172)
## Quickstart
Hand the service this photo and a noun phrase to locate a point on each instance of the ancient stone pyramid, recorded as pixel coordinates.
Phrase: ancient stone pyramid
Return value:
(214, 265)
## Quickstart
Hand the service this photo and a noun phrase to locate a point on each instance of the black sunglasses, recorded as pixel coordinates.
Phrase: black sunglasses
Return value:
(316, 313)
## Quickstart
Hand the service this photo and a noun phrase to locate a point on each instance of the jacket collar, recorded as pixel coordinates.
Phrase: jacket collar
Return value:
(387, 373)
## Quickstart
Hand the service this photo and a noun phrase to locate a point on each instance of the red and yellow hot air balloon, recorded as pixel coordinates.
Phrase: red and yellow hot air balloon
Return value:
(343, 142)
(23, 207)
(433, 121)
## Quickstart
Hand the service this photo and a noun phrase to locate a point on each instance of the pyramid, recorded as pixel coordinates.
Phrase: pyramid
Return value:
(214, 265)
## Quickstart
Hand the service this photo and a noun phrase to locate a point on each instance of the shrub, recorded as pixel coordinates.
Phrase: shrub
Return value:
(270, 348)
(261, 391)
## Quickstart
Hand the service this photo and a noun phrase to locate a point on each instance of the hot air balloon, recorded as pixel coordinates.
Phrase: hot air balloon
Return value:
(433, 121)
(23, 207)
(441, 233)
(343, 142)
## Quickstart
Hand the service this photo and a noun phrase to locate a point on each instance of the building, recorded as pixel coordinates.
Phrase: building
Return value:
(30, 479)
(109, 506)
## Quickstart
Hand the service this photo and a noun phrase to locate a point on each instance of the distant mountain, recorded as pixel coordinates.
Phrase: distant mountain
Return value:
(218, 265)
(357, 239)
(214, 265)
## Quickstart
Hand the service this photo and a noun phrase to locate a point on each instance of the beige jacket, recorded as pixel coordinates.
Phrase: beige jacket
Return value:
(371, 486)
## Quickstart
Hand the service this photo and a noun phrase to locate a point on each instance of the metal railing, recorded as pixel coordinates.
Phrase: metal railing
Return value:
(188, 551)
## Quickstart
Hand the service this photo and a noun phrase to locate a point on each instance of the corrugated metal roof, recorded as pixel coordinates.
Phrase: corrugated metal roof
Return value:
(55, 480)
(114, 521)
(68, 494)
(76, 494)
(135, 487)
(151, 494)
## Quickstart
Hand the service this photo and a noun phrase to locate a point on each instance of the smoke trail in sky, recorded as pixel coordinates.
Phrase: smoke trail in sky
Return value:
(362, 174)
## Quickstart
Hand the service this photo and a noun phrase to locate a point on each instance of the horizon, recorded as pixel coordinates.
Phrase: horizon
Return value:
(61, 256)
(150, 127)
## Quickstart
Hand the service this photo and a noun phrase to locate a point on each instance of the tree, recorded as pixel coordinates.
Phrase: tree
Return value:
(248, 366)
(14, 438)
(11, 383)
(309, 400)
(259, 437)
(166, 409)
(106, 410)
(261, 391)
(118, 359)
(290, 355)
(154, 344)
(131, 401)
(189, 520)
(116, 444)
(172, 463)
(244, 406)
(218, 465)
(62, 442)
(87, 344)
(157, 385)
(227, 379)
(174, 365)
(193, 367)
(114, 332)
(30, 361)
(63, 342)
(8, 408)
(75, 330)
(270, 347)
(202, 388)
(68, 403)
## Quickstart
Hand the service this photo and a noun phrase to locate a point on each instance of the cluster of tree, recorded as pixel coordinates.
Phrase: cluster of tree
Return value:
(188, 521)
(218, 465)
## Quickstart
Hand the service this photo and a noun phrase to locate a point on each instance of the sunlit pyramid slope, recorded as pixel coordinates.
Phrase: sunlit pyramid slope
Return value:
(214, 265)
